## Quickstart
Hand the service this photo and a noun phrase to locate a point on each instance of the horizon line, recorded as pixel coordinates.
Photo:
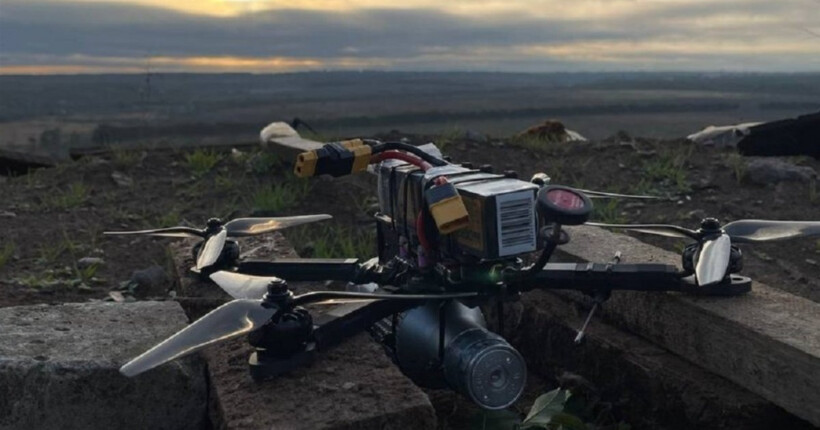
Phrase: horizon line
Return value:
(432, 72)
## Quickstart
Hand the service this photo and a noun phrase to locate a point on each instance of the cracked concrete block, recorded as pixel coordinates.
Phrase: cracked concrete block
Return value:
(59, 369)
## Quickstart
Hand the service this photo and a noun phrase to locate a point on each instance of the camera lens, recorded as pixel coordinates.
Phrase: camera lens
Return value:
(484, 367)
(475, 362)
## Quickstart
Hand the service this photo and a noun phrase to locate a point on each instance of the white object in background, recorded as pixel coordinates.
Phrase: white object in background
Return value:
(722, 136)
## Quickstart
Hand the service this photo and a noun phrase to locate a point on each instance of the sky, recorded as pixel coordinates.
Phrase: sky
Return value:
(273, 36)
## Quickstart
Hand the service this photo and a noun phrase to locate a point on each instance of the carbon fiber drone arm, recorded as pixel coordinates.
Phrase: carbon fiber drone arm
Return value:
(589, 277)
(304, 269)
(597, 277)
(324, 269)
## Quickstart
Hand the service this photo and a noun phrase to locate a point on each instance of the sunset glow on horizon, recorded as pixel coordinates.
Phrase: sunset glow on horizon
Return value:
(271, 36)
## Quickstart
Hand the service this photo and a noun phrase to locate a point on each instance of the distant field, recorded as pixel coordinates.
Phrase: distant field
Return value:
(348, 103)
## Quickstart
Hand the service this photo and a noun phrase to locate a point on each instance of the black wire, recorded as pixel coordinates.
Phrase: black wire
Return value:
(378, 147)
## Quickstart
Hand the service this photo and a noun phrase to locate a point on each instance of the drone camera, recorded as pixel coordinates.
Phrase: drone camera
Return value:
(439, 345)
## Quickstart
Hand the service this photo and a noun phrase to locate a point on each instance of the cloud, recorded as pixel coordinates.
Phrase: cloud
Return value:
(516, 35)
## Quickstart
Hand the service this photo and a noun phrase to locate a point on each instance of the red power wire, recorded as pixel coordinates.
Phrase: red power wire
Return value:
(403, 156)
(422, 234)
(421, 164)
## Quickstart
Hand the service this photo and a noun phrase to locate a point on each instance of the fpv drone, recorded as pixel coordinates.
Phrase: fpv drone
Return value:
(450, 239)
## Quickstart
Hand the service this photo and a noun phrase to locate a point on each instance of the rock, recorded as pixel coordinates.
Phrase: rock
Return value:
(697, 214)
(7, 214)
(475, 136)
(551, 131)
(647, 153)
(59, 368)
(151, 278)
(122, 179)
(87, 262)
(765, 171)
(623, 137)
(703, 183)
(98, 161)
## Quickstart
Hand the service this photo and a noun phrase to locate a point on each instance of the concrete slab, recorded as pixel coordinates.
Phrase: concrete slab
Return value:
(352, 386)
(767, 341)
(59, 369)
(658, 389)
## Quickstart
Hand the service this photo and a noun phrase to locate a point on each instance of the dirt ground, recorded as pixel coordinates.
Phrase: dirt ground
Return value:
(51, 219)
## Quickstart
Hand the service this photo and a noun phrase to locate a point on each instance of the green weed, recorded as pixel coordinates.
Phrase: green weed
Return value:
(559, 409)
(448, 136)
(608, 211)
(125, 159)
(738, 164)
(167, 219)
(264, 163)
(275, 199)
(201, 161)
(334, 241)
(6, 253)
(668, 168)
(50, 252)
(225, 182)
(75, 195)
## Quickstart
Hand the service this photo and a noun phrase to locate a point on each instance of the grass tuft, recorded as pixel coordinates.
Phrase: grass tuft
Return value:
(75, 195)
(125, 159)
(333, 241)
(264, 163)
(738, 164)
(6, 253)
(609, 212)
(274, 199)
(201, 161)
(668, 168)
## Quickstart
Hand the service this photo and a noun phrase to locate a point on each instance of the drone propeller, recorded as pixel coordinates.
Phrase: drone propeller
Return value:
(666, 230)
(243, 316)
(712, 259)
(757, 230)
(211, 249)
(242, 227)
(227, 321)
(217, 232)
(162, 232)
(605, 195)
(240, 286)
